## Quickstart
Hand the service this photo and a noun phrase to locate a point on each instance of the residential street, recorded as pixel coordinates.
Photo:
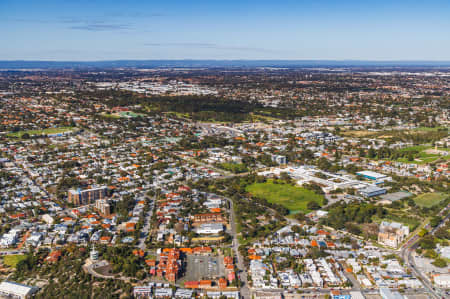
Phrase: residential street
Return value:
(147, 223)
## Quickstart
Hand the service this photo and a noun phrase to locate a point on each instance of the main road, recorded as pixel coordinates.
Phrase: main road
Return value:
(406, 252)
(242, 272)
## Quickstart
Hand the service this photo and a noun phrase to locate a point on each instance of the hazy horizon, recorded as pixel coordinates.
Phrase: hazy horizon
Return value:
(189, 63)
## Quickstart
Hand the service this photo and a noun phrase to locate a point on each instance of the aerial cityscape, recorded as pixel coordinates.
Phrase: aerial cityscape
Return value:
(240, 166)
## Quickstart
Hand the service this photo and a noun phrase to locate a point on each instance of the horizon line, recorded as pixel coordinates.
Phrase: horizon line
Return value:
(214, 59)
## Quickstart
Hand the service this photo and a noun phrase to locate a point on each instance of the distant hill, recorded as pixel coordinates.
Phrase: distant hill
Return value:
(29, 64)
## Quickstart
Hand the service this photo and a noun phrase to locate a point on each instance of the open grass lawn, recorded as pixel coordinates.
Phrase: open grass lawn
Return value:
(418, 148)
(430, 199)
(258, 116)
(424, 150)
(425, 154)
(422, 159)
(358, 133)
(12, 260)
(41, 132)
(291, 197)
(389, 133)
(108, 115)
(427, 129)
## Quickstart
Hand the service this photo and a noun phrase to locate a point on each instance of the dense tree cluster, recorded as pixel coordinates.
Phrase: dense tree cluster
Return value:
(341, 213)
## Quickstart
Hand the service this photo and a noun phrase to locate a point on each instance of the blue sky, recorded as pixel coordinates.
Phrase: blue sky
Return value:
(189, 29)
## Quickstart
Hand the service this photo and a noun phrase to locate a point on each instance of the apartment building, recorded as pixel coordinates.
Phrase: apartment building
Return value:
(82, 197)
(392, 233)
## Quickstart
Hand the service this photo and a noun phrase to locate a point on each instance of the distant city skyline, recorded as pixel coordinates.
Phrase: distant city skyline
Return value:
(254, 30)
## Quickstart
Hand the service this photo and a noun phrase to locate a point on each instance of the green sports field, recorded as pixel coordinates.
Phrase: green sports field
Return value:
(291, 197)
(12, 260)
(430, 199)
(41, 132)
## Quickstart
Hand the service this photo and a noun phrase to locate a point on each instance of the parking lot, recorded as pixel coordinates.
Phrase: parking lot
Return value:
(204, 267)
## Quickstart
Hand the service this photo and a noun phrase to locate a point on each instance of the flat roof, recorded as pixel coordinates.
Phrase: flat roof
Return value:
(372, 174)
(370, 189)
(211, 226)
(11, 287)
(356, 295)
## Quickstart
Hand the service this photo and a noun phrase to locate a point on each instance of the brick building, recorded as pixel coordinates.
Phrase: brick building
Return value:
(209, 218)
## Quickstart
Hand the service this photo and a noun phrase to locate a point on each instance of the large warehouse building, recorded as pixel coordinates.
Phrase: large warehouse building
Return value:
(11, 289)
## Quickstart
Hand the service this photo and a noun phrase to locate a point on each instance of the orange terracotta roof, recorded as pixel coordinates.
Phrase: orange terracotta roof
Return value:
(254, 257)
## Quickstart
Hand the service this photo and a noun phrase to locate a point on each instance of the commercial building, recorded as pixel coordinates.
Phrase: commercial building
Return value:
(210, 228)
(267, 295)
(374, 176)
(445, 252)
(82, 197)
(371, 191)
(341, 296)
(442, 281)
(144, 291)
(386, 293)
(163, 293)
(184, 293)
(11, 289)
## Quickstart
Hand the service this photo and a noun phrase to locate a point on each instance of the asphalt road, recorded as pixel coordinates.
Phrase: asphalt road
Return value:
(242, 272)
(406, 253)
(146, 228)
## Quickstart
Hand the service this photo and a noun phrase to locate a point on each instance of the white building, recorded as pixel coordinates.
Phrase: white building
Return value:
(386, 293)
(163, 293)
(310, 174)
(210, 228)
(11, 289)
(9, 239)
(442, 281)
(48, 219)
(184, 293)
(445, 252)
